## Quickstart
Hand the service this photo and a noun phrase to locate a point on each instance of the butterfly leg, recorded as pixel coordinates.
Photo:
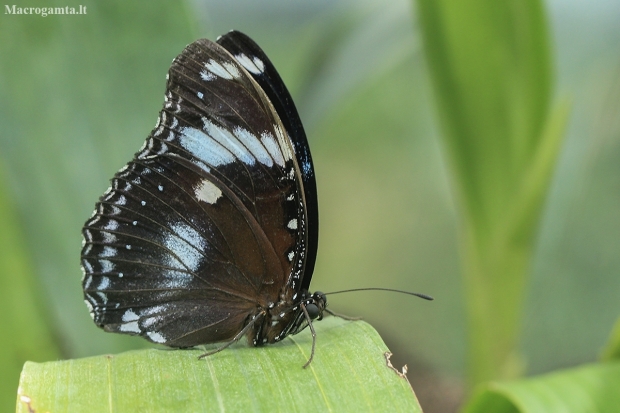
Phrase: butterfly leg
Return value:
(245, 329)
(303, 307)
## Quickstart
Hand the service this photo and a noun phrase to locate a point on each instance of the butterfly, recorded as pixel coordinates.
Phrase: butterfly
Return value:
(210, 233)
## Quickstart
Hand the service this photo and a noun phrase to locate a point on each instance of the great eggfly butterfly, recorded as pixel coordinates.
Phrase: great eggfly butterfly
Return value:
(210, 232)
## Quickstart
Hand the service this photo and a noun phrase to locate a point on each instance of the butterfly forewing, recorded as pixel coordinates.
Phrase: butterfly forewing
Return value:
(258, 65)
(207, 224)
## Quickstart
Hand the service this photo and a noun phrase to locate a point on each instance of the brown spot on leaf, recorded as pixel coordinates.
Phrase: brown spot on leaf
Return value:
(28, 401)
(403, 373)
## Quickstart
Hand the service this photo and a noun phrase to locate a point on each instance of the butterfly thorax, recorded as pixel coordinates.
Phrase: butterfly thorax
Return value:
(286, 317)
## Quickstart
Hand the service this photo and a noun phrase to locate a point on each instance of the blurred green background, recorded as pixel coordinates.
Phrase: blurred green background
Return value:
(79, 94)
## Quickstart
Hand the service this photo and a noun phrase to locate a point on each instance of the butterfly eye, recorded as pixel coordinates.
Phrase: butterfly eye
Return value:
(313, 311)
(320, 296)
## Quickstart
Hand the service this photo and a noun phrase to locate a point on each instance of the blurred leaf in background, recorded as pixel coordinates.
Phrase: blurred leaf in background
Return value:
(78, 94)
(585, 389)
(490, 62)
(25, 331)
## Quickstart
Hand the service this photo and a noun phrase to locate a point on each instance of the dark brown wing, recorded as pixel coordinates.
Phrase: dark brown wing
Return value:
(202, 228)
(258, 65)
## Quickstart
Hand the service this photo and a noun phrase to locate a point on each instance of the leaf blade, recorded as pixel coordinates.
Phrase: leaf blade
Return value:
(591, 388)
(491, 70)
(348, 370)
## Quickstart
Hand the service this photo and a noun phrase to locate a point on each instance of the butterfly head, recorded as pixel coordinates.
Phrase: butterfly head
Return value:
(289, 316)
(315, 305)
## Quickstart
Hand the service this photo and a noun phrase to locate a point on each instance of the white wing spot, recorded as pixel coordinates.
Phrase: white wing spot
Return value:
(86, 280)
(108, 252)
(259, 63)
(292, 224)
(87, 266)
(108, 238)
(161, 121)
(187, 244)
(207, 192)
(217, 69)
(91, 310)
(104, 284)
(206, 76)
(104, 298)
(272, 147)
(204, 147)
(129, 316)
(232, 69)
(111, 225)
(254, 145)
(131, 327)
(255, 66)
(130, 322)
(285, 146)
(106, 267)
(229, 141)
(156, 337)
(109, 193)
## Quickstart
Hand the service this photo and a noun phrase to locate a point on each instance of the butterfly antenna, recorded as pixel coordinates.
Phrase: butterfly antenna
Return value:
(424, 296)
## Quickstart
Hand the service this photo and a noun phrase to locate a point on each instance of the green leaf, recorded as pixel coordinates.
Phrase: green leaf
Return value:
(612, 348)
(349, 372)
(587, 389)
(24, 334)
(490, 65)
